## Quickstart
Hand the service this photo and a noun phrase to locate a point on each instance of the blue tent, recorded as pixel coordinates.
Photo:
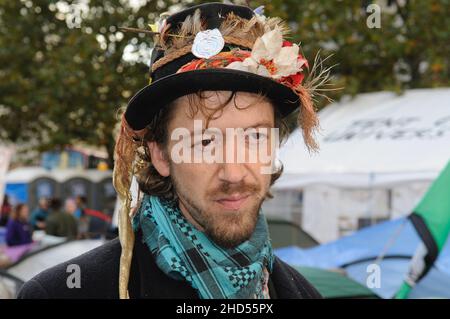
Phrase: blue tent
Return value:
(395, 241)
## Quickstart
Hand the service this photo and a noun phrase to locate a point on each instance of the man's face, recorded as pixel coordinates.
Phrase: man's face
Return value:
(71, 206)
(24, 213)
(43, 203)
(223, 199)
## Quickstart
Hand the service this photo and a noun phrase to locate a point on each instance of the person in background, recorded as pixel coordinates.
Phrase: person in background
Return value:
(18, 230)
(60, 223)
(81, 203)
(91, 223)
(70, 207)
(75, 207)
(5, 211)
(40, 214)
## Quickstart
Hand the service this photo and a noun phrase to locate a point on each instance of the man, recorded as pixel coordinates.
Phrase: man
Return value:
(200, 141)
(40, 214)
(62, 223)
(81, 203)
(5, 211)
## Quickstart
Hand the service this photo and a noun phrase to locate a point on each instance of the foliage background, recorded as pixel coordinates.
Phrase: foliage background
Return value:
(66, 68)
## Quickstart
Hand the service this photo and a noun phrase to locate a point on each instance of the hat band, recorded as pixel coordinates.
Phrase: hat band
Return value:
(221, 60)
(226, 60)
(188, 49)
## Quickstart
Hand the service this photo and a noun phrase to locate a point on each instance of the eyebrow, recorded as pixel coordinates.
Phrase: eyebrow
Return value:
(260, 124)
(256, 125)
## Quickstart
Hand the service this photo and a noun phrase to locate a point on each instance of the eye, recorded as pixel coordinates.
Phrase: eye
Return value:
(255, 137)
(206, 142)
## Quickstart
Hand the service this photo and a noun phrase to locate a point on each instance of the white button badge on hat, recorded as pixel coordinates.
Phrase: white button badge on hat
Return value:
(208, 43)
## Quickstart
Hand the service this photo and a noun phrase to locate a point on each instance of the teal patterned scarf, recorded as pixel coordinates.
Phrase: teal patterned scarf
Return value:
(184, 253)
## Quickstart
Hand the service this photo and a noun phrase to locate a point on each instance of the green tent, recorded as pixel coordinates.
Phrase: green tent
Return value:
(332, 284)
(284, 234)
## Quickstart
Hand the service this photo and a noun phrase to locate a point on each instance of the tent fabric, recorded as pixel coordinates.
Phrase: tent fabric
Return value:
(367, 243)
(332, 284)
(284, 233)
(396, 240)
(436, 284)
(351, 180)
(432, 223)
(17, 192)
(375, 139)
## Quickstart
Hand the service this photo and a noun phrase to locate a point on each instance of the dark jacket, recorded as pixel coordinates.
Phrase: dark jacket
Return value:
(18, 233)
(38, 215)
(99, 270)
(61, 224)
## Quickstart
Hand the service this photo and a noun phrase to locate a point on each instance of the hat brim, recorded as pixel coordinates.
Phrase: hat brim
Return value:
(149, 100)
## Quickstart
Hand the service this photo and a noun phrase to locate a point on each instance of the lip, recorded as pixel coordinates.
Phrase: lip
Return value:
(233, 202)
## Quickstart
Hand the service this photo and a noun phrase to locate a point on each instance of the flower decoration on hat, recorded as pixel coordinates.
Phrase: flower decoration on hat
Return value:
(275, 58)
(271, 56)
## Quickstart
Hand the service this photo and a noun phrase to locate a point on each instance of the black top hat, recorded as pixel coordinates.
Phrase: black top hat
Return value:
(168, 85)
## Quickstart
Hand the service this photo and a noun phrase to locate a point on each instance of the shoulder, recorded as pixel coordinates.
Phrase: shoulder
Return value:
(11, 223)
(290, 284)
(70, 217)
(98, 269)
(52, 216)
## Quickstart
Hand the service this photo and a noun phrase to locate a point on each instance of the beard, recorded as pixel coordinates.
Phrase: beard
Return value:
(226, 228)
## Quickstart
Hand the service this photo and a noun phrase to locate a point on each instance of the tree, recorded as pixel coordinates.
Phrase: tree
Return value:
(63, 74)
(65, 67)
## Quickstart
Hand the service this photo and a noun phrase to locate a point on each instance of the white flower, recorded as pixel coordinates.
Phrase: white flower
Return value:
(286, 61)
(249, 65)
(269, 47)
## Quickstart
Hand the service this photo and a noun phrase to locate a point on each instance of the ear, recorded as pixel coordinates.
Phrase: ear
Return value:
(158, 159)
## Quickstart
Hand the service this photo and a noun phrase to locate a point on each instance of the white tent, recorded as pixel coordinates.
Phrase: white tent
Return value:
(378, 154)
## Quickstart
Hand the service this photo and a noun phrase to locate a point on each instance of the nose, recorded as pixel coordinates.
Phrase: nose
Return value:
(232, 172)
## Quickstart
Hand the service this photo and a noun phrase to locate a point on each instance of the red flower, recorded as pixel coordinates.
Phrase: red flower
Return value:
(301, 58)
(292, 80)
(297, 79)
(287, 43)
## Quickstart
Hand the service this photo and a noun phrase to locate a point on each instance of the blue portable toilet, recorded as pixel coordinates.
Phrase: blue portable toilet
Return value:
(21, 186)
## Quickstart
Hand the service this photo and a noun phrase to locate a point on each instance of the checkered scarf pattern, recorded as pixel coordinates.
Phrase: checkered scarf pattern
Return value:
(184, 253)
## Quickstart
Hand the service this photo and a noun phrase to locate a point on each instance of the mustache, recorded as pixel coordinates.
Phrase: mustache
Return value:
(231, 188)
